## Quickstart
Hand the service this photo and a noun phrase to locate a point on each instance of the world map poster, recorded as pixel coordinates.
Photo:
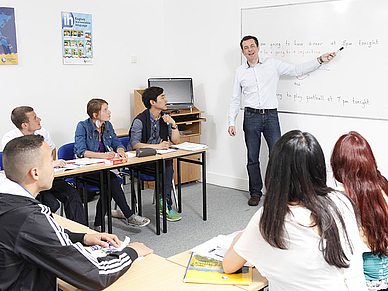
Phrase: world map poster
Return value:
(8, 46)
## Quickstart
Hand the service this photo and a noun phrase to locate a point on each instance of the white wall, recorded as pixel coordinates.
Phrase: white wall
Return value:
(170, 38)
(58, 92)
(202, 40)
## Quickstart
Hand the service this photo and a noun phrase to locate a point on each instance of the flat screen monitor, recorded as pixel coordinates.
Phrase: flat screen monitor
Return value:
(179, 91)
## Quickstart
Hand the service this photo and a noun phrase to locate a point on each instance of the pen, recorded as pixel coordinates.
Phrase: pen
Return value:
(340, 49)
(164, 113)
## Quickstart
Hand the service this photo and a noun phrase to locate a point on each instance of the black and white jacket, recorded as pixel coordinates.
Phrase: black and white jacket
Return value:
(35, 250)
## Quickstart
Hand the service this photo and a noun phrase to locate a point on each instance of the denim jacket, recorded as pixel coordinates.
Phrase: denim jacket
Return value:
(87, 138)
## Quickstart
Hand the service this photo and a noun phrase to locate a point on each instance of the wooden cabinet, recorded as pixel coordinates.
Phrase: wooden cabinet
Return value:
(189, 125)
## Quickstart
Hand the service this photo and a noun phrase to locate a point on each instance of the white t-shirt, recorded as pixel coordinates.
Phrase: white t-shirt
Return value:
(10, 135)
(302, 266)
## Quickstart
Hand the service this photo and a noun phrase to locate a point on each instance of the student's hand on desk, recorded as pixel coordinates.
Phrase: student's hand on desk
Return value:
(232, 130)
(121, 153)
(101, 239)
(164, 145)
(108, 155)
(141, 249)
(59, 163)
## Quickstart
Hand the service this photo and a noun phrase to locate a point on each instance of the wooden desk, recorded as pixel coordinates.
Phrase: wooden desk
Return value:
(149, 274)
(258, 281)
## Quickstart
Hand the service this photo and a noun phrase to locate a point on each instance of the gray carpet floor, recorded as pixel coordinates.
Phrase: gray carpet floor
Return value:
(228, 211)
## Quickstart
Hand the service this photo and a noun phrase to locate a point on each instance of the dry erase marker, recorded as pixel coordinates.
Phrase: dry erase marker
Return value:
(340, 49)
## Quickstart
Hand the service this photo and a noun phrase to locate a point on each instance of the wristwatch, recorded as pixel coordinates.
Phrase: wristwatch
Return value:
(174, 127)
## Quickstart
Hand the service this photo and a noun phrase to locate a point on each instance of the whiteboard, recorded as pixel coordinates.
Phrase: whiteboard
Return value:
(354, 83)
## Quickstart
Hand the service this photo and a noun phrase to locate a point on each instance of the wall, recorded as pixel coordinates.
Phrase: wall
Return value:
(58, 92)
(202, 40)
(170, 38)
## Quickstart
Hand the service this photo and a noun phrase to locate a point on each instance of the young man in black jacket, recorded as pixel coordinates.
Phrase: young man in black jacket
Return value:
(34, 249)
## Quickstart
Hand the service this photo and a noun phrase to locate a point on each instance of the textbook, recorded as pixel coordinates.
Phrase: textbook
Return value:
(209, 271)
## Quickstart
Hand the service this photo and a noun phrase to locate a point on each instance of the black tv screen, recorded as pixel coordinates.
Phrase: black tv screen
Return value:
(179, 91)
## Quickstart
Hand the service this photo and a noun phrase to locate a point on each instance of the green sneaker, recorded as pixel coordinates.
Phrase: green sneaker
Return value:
(171, 214)
(161, 206)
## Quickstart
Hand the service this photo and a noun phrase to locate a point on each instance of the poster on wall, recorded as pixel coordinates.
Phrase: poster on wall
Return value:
(8, 47)
(77, 38)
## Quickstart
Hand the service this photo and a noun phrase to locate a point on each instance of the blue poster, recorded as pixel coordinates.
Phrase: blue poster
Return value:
(77, 38)
(8, 47)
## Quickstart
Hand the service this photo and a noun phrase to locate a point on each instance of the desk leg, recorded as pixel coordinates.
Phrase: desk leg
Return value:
(156, 193)
(178, 168)
(102, 197)
(109, 195)
(164, 195)
(204, 185)
(139, 207)
(133, 198)
(85, 198)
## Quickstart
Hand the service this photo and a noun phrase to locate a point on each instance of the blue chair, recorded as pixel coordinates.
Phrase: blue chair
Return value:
(66, 152)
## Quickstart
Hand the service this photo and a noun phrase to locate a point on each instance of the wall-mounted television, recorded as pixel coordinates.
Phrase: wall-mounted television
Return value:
(179, 91)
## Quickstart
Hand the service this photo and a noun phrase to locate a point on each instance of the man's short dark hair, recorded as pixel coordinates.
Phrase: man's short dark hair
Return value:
(18, 115)
(149, 94)
(248, 37)
(20, 155)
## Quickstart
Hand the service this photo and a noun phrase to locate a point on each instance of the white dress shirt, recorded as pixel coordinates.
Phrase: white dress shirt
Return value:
(259, 83)
(10, 135)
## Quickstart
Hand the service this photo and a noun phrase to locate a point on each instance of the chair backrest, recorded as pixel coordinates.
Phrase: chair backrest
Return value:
(1, 161)
(125, 140)
(66, 151)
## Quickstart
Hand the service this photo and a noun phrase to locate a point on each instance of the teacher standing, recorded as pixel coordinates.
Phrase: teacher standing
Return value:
(257, 79)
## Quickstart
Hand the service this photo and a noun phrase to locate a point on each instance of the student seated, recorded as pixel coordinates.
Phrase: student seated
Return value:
(354, 166)
(96, 138)
(305, 237)
(27, 122)
(153, 129)
(34, 249)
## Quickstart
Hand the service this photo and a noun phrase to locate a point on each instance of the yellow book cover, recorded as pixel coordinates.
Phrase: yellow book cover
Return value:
(209, 271)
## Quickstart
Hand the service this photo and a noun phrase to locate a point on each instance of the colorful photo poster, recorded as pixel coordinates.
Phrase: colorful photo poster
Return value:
(8, 47)
(77, 38)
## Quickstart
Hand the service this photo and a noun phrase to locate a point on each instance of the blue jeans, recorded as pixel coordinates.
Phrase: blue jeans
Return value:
(254, 125)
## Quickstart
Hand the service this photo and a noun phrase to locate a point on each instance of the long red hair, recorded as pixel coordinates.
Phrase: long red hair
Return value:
(354, 165)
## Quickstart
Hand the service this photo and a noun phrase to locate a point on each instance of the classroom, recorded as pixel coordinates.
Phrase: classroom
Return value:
(137, 40)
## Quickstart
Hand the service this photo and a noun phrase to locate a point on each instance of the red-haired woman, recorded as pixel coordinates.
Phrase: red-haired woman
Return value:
(354, 165)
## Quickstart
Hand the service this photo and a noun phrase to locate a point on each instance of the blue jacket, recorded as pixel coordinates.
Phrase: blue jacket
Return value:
(87, 138)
